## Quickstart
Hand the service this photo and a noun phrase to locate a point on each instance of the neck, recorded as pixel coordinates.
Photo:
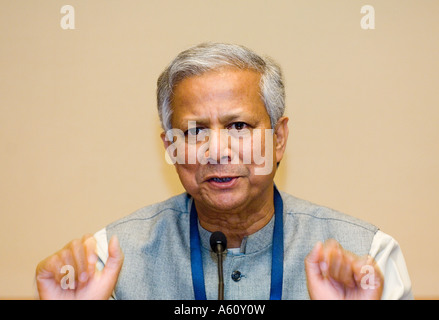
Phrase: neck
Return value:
(237, 224)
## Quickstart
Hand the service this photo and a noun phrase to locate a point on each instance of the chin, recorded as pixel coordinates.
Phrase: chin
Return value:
(226, 202)
(216, 199)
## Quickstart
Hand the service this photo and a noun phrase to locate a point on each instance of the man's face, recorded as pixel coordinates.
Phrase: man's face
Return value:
(226, 105)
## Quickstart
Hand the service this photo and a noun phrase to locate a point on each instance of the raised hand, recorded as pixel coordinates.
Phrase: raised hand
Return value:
(80, 257)
(334, 273)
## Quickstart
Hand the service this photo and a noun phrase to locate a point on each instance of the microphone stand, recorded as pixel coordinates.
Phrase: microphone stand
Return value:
(218, 243)
(219, 254)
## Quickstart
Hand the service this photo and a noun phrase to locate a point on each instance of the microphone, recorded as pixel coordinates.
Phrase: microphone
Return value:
(218, 243)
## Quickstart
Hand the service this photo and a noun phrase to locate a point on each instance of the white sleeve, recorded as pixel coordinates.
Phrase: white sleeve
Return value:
(388, 255)
(102, 247)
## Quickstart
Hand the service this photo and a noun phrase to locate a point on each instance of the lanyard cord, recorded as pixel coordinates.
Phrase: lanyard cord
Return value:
(276, 260)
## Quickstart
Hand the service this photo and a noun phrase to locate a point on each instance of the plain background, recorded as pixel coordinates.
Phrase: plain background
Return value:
(79, 131)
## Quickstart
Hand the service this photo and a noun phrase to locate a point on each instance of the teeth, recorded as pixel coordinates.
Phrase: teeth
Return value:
(221, 179)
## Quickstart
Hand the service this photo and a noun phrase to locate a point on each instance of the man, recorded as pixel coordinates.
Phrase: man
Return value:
(221, 108)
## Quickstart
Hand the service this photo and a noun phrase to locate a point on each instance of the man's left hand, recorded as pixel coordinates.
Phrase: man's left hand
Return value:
(336, 274)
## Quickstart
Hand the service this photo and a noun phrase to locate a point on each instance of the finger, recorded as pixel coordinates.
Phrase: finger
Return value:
(367, 273)
(340, 260)
(79, 256)
(358, 269)
(91, 254)
(329, 258)
(335, 262)
(67, 262)
(112, 267)
(313, 261)
(339, 263)
(347, 271)
(46, 275)
(315, 254)
(49, 268)
(114, 262)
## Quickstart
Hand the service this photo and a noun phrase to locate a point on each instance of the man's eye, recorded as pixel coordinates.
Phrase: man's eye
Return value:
(193, 131)
(239, 126)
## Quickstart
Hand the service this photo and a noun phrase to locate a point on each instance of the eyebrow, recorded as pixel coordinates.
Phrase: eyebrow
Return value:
(226, 119)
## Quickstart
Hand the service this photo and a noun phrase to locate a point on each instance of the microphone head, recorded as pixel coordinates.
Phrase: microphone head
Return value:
(218, 238)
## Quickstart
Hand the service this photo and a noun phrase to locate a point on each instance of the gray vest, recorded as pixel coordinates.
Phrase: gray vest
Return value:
(155, 241)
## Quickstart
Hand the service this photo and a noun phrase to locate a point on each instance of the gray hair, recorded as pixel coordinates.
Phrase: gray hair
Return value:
(210, 56)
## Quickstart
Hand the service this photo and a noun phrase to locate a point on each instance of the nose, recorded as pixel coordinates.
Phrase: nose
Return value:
(218, 150)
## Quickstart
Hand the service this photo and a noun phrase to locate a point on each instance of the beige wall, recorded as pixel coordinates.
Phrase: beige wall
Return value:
(79, 134)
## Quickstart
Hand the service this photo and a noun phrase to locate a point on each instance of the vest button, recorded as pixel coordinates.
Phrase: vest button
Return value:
(236, 276)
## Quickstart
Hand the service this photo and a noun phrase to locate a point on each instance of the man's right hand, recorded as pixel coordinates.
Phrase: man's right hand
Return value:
(89, 283)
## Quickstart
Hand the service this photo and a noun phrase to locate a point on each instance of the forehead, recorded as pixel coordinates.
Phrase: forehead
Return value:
(222, 91)
(223, 75)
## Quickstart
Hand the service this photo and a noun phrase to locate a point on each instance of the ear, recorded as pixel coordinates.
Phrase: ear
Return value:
(281, 137)
(166, 143)
(168, 148)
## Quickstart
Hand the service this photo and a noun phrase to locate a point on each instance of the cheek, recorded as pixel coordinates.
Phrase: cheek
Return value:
(242, 150)
(261, 150)
(251, 148)
(188, 175)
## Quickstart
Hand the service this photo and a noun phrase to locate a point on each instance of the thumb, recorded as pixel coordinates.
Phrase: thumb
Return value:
(114, 261)
(313, 261)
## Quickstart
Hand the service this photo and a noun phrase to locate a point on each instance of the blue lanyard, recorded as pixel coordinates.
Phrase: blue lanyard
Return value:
(277, 265)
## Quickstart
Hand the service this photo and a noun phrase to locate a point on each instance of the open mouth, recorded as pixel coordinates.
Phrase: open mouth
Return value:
(223, 183)
(221, 179)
